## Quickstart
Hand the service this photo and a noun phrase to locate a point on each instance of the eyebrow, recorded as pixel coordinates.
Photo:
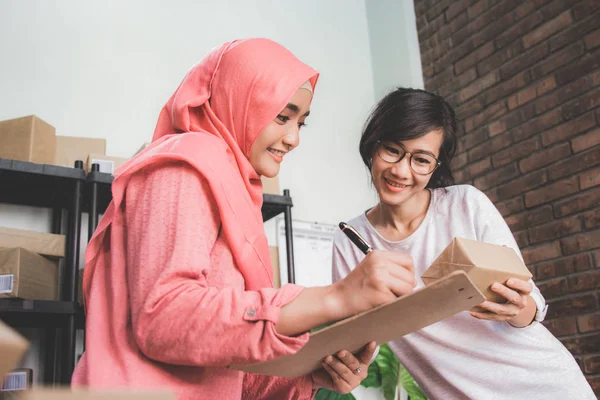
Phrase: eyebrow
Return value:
(296, 109)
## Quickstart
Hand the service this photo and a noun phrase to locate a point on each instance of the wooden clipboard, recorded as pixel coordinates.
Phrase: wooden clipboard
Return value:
(442, 299)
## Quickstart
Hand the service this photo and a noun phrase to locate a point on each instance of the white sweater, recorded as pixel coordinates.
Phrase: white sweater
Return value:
(463, 357)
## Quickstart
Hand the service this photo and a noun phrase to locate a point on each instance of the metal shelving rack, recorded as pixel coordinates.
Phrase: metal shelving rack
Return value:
(59, 189)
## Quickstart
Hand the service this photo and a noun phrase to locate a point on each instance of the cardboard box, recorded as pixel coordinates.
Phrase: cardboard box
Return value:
(70, 149)
(14, 382)
(107, 164)
(484, 263)
(274, 252)
(12, 347)
(27, 275)
(27, 139)
(46, 244)
(270, 185)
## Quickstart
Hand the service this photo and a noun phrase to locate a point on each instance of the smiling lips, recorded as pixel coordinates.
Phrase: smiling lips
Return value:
(277, 154)
(394, 186)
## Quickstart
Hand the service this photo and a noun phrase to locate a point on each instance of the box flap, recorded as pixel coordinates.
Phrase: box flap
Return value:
(47, 244)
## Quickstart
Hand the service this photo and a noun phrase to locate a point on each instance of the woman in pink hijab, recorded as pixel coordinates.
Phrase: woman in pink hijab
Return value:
(178, 280)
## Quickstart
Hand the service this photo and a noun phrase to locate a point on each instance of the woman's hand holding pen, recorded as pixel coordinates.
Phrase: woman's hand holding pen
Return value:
(381, 277)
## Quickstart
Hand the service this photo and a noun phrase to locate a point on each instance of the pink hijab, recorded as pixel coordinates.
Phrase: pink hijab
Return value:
(211, 122)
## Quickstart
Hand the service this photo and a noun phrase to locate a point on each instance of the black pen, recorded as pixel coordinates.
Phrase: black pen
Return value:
(355, 237)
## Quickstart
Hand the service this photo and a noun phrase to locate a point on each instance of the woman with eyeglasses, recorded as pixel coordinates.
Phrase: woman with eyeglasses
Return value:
(502, 352)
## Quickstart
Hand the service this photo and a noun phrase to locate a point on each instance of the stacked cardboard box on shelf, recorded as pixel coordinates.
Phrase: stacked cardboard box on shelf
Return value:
(32, 139)
(27, 139)
(89, 150)
(70, 149)
(29, 264)
(27, 275)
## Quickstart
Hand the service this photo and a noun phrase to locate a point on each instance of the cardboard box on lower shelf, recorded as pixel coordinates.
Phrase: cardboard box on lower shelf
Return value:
(27, 139)
(15, 382)
(12, 347)
(46, 244)
(27, 275)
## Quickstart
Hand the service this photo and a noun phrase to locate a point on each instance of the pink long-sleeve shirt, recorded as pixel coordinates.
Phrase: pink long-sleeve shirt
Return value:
(167, 307)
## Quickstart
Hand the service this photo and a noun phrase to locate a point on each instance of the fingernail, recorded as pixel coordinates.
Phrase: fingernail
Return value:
(510, 282)
(329, 359)
(343, 354)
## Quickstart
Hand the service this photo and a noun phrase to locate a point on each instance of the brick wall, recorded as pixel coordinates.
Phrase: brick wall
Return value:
(524, 78)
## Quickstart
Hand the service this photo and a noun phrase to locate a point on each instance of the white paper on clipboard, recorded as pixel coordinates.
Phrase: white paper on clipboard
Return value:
(313, 246)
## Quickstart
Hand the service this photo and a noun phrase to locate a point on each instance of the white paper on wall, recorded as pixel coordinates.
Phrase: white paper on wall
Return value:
(313, 244)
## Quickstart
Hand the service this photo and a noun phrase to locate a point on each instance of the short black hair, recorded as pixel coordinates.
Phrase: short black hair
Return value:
(406, 114)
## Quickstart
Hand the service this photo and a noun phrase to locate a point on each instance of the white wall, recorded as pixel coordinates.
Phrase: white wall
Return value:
(394, 44)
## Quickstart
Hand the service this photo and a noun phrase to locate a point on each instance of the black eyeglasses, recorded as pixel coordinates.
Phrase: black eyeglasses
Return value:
(420, 162)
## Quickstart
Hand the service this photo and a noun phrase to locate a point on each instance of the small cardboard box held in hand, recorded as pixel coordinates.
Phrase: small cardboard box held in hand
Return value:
(484, 263)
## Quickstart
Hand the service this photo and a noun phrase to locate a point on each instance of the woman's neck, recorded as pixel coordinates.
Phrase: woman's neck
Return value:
(397, 222)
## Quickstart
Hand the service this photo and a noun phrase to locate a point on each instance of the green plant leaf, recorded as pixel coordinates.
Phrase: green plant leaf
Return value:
(411, 387)
(325, 394)
(389, 366)
(383, 372)
(373, 378)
